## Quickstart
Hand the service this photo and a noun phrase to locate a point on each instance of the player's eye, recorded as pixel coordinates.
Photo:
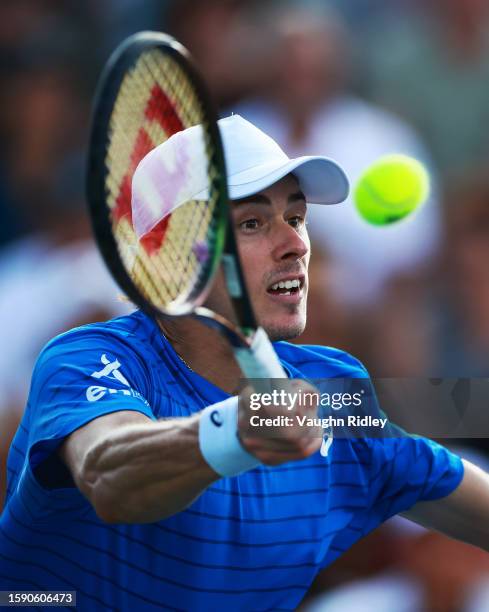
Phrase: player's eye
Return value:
(297, 221)
(248, 225)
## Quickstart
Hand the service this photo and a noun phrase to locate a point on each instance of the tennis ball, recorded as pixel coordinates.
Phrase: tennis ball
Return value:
(390, 189)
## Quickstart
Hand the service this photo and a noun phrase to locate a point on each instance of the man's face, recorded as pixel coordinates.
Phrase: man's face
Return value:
(275, 249)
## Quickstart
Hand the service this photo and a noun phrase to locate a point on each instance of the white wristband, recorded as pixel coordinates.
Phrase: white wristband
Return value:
(219, 442)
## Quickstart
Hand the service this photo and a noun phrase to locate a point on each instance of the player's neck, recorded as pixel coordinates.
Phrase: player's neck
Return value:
(204, 351)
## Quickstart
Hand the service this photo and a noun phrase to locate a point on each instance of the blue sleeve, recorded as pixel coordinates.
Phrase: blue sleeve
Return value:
(405, 469)
(78, 377)
(409, 469)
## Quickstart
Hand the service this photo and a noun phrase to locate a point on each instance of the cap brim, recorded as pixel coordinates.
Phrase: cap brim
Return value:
(321, 179)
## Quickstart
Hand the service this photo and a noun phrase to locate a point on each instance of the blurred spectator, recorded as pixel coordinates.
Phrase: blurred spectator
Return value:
(403, 330)
(365, 13)
(21, 19)
(464, 297)
(432, 66)
(53, 278)
(44, 47)
(305, 108)
(45, 130)
(120, 18)
(229, 50)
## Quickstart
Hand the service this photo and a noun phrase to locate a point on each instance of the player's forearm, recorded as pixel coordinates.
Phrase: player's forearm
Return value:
(143, 473)
(469, 508)
(464, 514)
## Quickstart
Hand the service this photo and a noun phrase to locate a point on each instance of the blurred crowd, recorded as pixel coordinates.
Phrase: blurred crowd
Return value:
(347, 79)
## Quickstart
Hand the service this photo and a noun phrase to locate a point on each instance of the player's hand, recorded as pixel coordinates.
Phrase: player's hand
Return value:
(284, 438)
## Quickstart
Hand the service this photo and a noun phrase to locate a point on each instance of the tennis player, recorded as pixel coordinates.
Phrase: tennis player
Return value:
(119, 492)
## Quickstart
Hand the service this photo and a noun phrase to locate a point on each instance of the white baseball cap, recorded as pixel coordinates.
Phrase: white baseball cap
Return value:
(170, 175)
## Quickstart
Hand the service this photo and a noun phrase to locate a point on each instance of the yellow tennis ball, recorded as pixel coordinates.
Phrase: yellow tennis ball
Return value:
(390, 189)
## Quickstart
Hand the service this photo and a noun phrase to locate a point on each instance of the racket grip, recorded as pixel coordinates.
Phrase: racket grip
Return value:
(259, 360)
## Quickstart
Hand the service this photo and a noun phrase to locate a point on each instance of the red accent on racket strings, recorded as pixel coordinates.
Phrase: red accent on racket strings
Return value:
(142, 147)
(161, 109)
(152, 241)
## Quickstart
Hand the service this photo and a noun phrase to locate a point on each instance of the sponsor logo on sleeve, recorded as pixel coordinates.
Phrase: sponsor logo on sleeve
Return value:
(95, 393)
(111, 371)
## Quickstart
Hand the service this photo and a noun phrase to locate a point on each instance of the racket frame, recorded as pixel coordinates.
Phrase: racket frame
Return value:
(119, 63)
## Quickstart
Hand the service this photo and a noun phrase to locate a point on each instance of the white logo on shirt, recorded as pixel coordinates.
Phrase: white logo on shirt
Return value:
(95, 393)
(326, 443)
(111, 371)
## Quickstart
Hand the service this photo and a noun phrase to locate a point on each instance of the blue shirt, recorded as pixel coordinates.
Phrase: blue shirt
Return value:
(252, 542)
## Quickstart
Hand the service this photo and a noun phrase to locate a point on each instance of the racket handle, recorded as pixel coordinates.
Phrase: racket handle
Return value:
(260, 360)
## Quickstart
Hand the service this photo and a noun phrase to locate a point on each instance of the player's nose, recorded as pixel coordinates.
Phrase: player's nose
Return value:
(289, 243)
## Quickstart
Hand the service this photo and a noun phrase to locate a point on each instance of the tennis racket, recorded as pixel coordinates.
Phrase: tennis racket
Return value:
(149, 91)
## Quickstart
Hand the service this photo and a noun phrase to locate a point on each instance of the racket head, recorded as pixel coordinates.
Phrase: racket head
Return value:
(148, 91)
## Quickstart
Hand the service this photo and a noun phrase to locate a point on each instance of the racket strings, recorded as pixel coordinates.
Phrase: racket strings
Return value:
(178, 255)
(155, 100)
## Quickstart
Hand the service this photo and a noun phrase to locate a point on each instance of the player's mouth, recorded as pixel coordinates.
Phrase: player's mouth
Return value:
(289, 289)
